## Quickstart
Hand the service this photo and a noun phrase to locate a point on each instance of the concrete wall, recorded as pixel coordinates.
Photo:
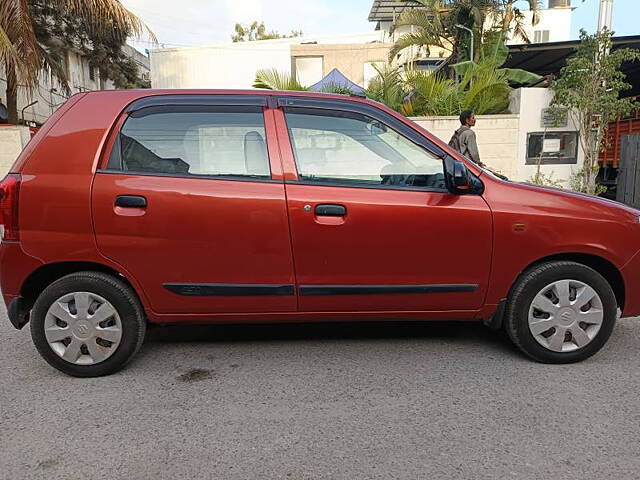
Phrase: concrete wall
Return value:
(498, 137)
(502, 139)
(530, 102)
(12, 141)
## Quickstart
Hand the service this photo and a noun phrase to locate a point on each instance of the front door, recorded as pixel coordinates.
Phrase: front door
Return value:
(188, 206)
(373, 228)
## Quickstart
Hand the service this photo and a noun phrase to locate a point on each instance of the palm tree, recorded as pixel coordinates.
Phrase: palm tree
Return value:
(435, 24)
(432, 94)
(482, 89)
(24, 57)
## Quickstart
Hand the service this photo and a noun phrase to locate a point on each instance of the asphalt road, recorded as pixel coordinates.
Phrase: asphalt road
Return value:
(446, 401)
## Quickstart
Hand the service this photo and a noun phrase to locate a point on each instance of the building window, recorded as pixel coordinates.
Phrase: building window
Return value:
(308, 70)
(552, 148)
(541, 36)
(92, 75)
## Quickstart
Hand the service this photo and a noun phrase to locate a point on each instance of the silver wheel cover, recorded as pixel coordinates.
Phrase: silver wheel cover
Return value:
(83, 328)
(565, 315)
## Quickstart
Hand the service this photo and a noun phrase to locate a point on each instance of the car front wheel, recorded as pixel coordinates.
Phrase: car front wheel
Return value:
(560, 312)
(87, 324)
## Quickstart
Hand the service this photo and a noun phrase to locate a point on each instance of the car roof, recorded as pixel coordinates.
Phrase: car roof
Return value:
(147, 92)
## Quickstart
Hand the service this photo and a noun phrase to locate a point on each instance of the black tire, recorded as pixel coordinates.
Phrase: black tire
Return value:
(123, 299)
(530, 283)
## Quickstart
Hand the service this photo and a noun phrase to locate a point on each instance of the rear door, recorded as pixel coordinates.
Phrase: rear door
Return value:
(191, 205)
(373, 227)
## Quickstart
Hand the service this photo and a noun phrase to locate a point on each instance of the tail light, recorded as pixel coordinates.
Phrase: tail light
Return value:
(9, 193)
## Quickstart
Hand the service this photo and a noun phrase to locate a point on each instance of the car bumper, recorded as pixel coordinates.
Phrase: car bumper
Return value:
(15, 268)
(631, 276)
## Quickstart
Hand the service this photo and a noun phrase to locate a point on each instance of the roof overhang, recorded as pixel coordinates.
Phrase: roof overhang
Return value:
(388, 10)
(549, 58)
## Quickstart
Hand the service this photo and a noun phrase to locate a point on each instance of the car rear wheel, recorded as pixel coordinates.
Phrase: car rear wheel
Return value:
(87, 324)
(560, 312)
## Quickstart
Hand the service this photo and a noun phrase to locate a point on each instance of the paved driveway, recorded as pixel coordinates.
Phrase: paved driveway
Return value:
(442, 401)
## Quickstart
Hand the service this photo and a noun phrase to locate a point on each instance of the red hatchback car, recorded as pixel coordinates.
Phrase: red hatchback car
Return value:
(136, 207)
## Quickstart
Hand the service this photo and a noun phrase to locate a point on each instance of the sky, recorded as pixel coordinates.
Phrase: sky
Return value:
(203, 22)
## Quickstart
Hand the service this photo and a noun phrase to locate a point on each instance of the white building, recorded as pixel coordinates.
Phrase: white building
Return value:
(49, 95)
(234, 65)
(554, 24)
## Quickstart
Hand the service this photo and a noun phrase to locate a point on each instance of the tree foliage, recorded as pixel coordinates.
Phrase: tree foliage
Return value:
(482, 87)
(545, 180)
(257, 31)
(272, 79)
(492, 54)
(588, 90)
(35, 33)
(435, 24)
(390, 88)
(59, 30)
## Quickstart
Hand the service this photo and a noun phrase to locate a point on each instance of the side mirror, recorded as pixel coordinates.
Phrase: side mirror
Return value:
(456, 176)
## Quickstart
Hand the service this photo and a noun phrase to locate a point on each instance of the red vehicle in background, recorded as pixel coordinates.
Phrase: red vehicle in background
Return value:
(140, 207)
(609, 160)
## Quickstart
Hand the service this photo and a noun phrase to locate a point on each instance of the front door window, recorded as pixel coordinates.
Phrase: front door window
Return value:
(354, 149)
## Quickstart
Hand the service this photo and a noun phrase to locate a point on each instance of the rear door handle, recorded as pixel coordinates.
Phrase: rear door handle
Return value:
(330, 210)
(131, 201)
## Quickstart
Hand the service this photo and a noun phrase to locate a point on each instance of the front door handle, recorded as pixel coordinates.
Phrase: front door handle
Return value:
(131, 201)
(330, 210)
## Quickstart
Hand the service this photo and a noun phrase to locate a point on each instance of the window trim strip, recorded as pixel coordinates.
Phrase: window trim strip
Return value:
(234, 178)
(195, 100)
(114, 159)
(365, 185)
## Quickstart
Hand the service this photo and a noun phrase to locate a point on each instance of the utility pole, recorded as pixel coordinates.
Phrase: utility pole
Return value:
(605, 24)
(605, 19)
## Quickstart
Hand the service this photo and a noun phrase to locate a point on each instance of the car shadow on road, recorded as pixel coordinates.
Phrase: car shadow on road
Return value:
(456, 331)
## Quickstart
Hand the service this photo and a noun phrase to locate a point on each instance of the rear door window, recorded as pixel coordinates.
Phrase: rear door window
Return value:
(227, 141)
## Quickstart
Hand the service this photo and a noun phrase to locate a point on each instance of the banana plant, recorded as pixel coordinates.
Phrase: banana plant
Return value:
(492, 55)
